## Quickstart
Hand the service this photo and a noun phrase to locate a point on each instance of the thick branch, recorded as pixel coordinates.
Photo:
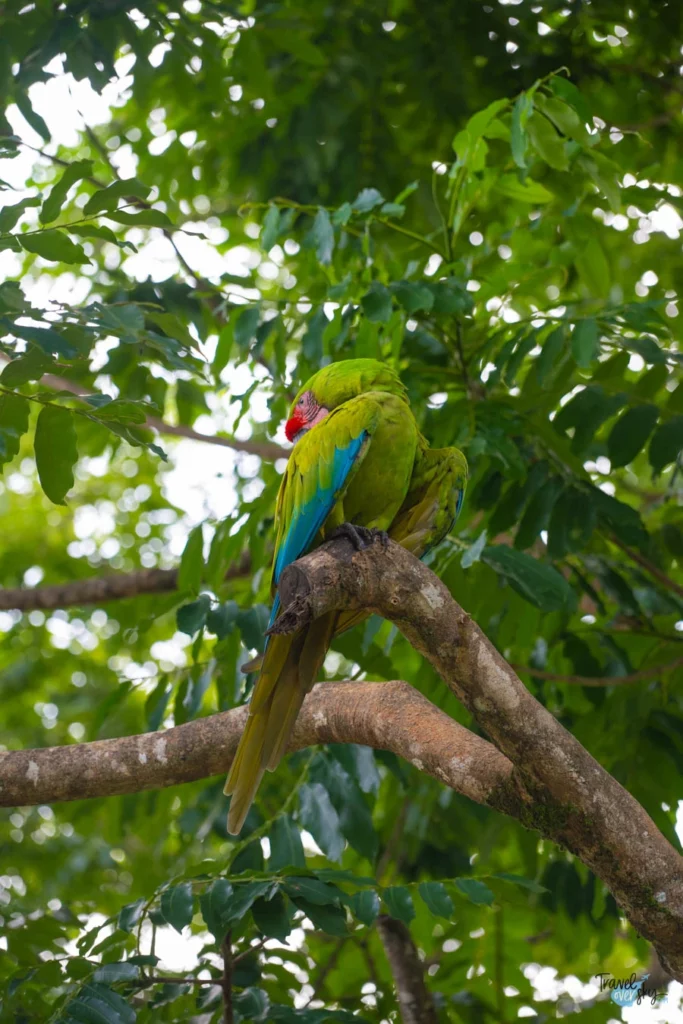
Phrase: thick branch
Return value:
(387, 716)
(575, 801)
(414, 1000)
(101, 589)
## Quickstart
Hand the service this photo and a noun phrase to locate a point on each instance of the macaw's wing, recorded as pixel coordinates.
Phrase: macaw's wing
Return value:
(318, 472)
(434, 499)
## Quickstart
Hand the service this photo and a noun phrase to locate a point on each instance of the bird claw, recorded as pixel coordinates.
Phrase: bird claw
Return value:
(361, 536)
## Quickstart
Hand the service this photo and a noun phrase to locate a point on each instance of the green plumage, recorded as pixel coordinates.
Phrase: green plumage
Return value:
(367, 464)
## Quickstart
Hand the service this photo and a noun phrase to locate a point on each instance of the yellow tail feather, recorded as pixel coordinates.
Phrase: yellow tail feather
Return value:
(289, 669)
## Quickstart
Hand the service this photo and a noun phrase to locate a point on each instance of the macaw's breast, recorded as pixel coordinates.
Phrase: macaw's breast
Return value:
(378, 489)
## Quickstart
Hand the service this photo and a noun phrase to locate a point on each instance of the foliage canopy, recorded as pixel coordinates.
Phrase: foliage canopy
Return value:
(428, 185)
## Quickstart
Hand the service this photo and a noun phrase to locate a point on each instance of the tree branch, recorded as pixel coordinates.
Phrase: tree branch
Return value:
(561, 790)
(646, 564)
(102, 589)
(385, 716)
(414, 1000)
(632, 677)
(268, 450)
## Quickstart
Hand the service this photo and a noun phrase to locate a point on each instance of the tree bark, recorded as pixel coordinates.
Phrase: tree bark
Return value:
(101, 589)
(566, 794)
(415, 1002)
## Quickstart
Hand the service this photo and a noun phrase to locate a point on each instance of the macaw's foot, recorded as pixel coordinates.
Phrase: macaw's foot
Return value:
(360, 536)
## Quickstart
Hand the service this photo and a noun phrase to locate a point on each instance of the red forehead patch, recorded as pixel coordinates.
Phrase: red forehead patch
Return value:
(294, 425)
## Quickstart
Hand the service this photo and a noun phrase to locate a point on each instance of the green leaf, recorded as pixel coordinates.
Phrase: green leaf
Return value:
(156, 704)
(342, 215)
(10, 215)
(252, 1005)
(437, 899)
(413, 295)
(14, 413)
(312, 341)
(270, 229)
(126, 320)
(32, 116)
(143, 219)
(526, 192)
(56, 451)
(564, 117)
(359, 762)
(221, 620)
(567, 91)
(107, 199)
(365, 906)
(245, 326)
(330, 919)
(323, 236)
(30, 366)
(242, 900)
(593, 268)
(52, 206)
(286, 848)
(666, 444)
(535, 581)
(549, 359)
(475, 890)
(377, 303)
(399, 903)
(318, 816)
(630, 433)
(192, 617)
(572, 522)
(12, 299)
(367, 199)
(177, 905)
(620, 517)
(547, 143)
(53, 245)
(585, 342)
(223, 349)
(355, 820)
(50, 341)
(271, 916)
(97, 1004)
(97, 231)
(215, 903)
(253, 623)
(518, 136)
(130, 915)
(191, 567)
(121, 971)
(311, 889)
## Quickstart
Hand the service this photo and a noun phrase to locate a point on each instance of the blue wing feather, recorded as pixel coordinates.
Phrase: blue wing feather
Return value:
(311, 516)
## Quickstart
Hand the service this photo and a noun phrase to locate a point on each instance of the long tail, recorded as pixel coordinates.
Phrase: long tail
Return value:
(289, 669)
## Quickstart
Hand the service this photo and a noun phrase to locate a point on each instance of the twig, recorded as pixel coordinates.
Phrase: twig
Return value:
(414, 1000)
(328, 966)
(633, 677)
(226, 983)
(646, 564)
(264, 449)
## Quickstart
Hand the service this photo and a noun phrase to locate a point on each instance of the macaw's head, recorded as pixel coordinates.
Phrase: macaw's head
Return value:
(334, 385)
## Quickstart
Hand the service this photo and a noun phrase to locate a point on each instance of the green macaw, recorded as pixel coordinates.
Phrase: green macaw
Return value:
(359, 466)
